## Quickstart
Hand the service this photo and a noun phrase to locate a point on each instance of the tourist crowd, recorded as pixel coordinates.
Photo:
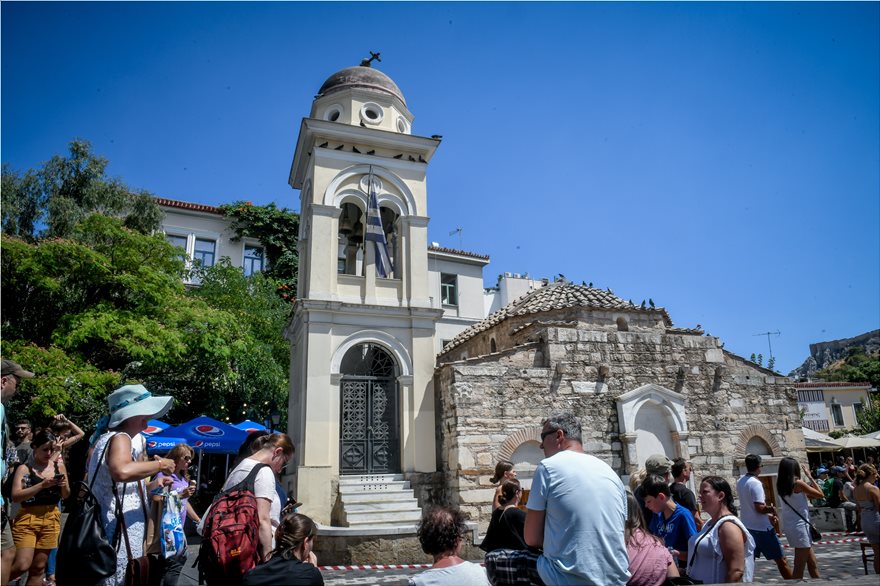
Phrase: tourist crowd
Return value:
(580, 525)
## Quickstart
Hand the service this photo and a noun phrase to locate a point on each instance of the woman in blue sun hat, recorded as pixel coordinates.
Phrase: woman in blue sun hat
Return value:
(118, 466)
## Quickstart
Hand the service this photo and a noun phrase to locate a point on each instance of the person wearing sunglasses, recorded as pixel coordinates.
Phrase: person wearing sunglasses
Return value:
(182, 455)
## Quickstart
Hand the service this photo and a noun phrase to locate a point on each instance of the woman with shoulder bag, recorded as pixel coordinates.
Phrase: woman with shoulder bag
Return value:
(795, 510)
(723, 551)
(507, 526)
(118, 467)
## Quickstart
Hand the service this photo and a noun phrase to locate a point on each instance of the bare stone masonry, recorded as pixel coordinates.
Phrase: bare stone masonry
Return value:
(637, 385)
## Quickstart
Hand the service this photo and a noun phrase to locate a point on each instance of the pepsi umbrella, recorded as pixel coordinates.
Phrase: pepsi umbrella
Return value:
(154, 426)
(250, 426)
(207, 435)
(162, 445)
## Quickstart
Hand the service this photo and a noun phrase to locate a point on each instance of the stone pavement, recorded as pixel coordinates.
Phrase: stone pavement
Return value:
(840, 562)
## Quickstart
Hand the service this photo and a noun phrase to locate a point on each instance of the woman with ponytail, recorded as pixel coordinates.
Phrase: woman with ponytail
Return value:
(867, 496)
(506, 529)
(292, 562)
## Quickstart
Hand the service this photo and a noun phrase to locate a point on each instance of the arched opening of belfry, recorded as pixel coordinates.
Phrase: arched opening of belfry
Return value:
(369, 441)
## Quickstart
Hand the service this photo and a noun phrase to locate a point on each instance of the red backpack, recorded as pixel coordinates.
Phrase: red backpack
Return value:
(231, 536)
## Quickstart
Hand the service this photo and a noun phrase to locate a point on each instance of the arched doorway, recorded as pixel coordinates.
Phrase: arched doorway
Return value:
(369, 441)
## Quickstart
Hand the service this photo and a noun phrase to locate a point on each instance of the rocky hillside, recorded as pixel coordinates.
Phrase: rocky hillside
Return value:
(825, 354)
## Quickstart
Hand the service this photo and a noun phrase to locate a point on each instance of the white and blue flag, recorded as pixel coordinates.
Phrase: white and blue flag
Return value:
(376, 235)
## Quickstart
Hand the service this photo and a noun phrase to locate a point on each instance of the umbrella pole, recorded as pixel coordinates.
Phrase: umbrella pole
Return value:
(227, 466)
(199, 473)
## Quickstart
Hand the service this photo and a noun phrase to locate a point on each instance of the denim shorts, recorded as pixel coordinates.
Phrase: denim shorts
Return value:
(767, 543)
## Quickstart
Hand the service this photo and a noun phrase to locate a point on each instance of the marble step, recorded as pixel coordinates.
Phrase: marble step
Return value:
(369, 478)
(390, 485)
(372, 497)
(376, 506)
(357, 519)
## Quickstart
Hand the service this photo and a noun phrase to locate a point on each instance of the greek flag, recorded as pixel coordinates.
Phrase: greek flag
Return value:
(376, 234)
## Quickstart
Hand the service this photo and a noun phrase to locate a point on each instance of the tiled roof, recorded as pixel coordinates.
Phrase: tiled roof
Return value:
(836, 384)
(458, 252)
(555, 296)
(185, 205)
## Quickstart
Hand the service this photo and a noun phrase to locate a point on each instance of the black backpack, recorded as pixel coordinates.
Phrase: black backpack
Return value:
(84, 554)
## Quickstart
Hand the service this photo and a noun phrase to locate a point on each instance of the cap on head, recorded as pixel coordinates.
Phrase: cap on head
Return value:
(658, 464)
(821, 471)
(838, 469)
(13, 368)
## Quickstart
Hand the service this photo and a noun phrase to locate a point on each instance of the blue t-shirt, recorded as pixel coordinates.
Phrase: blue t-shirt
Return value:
(584, 506)
(676, 530)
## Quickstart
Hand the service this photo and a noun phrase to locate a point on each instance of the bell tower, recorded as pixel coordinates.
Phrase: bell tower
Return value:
(362, 342)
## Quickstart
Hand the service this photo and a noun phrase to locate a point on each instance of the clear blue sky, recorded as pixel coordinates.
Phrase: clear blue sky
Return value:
(721, 159)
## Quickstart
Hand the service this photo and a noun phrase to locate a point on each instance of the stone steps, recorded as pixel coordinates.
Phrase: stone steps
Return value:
(378, 500)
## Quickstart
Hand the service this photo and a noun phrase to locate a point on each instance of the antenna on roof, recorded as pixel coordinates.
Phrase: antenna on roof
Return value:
(458, 230)
(768, 334)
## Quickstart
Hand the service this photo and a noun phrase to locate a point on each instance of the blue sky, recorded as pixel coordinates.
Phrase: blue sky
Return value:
(722, 158)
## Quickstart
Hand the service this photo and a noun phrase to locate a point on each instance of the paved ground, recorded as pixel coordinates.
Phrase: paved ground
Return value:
(839, 558)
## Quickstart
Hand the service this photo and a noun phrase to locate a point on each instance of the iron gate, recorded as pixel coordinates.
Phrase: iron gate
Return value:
(369, 442)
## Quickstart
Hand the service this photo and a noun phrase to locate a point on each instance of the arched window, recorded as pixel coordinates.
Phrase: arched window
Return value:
(493, 346)
(392, 237)
(351, 241)
(622, 326)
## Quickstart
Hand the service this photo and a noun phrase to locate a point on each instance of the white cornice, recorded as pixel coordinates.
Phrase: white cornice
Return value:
(312, 130)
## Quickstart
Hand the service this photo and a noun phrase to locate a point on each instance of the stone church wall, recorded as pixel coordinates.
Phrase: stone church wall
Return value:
(500, 397)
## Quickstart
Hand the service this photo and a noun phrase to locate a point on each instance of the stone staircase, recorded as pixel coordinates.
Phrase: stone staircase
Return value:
(378, 500)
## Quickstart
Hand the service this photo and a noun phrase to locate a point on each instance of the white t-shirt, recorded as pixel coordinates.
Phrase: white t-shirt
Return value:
(584, 506)
(264, 487)
(706, 560)
(751, 491)
(464, 574)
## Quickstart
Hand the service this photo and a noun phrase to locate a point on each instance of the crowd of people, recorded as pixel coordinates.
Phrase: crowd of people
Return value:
(580, 525)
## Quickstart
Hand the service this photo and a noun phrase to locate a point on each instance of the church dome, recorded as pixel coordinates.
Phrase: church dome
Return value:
(360, 77)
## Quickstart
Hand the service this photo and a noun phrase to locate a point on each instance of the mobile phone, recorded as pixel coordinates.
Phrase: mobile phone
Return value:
(59, 477)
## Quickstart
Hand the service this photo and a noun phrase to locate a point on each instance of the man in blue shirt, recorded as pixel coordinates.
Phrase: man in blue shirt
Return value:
(576, 514)
(12, 373)
(671, 522)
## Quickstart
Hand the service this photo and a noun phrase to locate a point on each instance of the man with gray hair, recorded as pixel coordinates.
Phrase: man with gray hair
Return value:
(576, 514)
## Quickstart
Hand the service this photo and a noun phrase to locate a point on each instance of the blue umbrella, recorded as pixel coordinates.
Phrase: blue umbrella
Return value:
(154, 426)
(162, 445)
(207, 435)
(250, 426)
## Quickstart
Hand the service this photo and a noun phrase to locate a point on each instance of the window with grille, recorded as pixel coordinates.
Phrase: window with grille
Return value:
(837, 414)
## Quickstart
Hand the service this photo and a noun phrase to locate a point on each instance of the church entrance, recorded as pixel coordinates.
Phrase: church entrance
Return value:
(369, 440)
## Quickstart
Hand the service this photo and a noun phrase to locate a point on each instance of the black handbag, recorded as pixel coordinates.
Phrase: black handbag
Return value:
(84, 554)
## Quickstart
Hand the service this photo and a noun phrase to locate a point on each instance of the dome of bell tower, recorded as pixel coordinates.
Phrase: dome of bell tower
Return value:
(360, 76)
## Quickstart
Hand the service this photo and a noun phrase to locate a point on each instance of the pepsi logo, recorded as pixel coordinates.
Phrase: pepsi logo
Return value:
(152, 444)
(251, 429)
(152, 429)
(208, 430)
(199, 443)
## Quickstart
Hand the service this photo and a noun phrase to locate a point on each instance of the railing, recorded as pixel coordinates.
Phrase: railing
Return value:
(816, 424)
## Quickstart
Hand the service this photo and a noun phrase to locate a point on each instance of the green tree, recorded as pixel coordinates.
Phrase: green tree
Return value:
(53, 200)
(857, 366)
(278, 230)
(108, 305)
(869, 416)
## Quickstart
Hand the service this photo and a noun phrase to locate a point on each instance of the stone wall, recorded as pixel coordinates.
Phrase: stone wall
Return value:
(337, 546)
(483, 401)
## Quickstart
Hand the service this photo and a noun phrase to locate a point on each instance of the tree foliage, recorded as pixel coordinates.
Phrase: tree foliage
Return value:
(857, 367)
(108, 305)
(52, 200)
(278, 230)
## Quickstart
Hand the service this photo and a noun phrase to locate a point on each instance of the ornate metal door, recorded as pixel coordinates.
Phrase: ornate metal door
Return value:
(369, 443)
